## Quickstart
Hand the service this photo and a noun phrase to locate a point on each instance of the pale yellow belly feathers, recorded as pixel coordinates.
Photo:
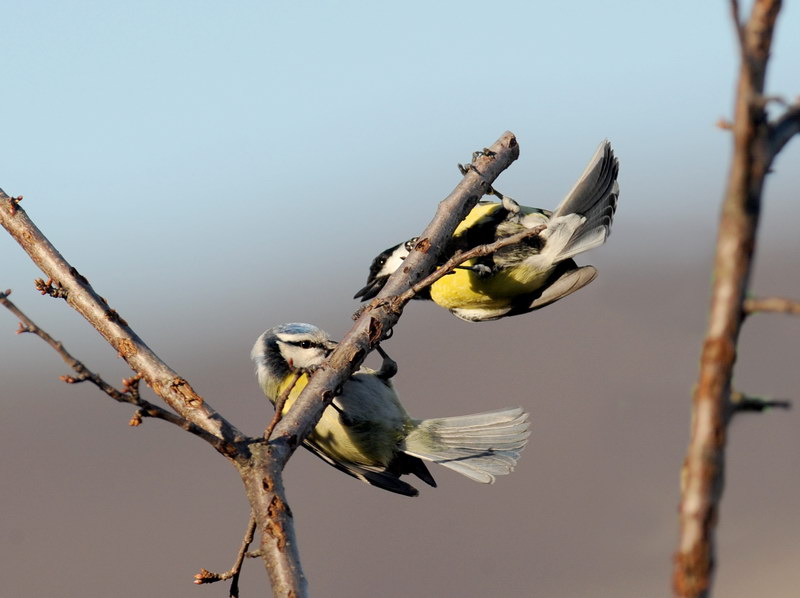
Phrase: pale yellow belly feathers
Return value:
(373, 413)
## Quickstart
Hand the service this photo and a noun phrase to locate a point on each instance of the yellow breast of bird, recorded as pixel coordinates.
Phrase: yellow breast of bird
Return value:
(375, 422)
(475, 216)
(465, 289)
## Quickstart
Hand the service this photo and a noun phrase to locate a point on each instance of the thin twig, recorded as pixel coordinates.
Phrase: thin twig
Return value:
(742, 403)
(462, 256)
(778, 305)
(206, 576)
(281, 402)
(459, 257)
(129, 395)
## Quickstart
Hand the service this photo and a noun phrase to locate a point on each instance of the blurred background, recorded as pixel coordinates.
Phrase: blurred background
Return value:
(215, 169)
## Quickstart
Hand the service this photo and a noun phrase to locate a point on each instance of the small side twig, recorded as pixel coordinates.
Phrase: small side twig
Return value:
(279, 404)
(462, 256)
(778, 305)
(47, 287)
(130, 394)
(742, 403)
(206, 576)
(394, 302)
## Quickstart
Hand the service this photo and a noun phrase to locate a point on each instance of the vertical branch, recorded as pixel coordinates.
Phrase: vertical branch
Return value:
(702, 477)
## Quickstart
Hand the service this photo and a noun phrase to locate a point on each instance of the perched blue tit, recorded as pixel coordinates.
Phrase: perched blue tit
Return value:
(367, 433)
(528, 275)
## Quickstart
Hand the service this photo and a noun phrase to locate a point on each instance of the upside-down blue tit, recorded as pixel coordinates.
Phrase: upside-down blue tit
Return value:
(528, 275)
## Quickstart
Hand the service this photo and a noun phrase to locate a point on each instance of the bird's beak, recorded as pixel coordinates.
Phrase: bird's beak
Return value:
(372, 288)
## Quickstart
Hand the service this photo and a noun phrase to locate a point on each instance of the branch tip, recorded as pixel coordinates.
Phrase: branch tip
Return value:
(724, 124)
(206, 576)
(777, 305)
(742, 403)
(136, 419)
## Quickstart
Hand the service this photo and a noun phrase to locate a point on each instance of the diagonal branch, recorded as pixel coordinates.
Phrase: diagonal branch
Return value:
(130, 395)
(462, 256)
(80, 295)
(396, 302)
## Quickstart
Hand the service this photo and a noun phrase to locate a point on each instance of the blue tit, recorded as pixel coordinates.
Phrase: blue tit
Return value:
(528, 275)
(366, 432)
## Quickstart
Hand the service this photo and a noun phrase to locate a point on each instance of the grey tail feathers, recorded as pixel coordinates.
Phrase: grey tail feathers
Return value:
(479, 446)
(594, 197)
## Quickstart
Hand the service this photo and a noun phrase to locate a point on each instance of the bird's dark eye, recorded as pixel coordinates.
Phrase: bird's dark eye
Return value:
(305, 344)
(381, 261)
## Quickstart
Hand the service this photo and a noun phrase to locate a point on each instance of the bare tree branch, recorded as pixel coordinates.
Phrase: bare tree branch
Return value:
(129, 395)
(258, 461)
(704, 467)
(80, 295)
(778, 305)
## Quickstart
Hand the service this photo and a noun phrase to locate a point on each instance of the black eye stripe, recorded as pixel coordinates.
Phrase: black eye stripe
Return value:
(304, 344)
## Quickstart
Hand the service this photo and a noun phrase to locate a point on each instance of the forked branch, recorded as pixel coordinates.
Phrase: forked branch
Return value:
(130, 394)
(260, 462)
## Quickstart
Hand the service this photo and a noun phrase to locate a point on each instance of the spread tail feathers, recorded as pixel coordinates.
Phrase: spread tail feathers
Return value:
(583, 219)
(479, 446)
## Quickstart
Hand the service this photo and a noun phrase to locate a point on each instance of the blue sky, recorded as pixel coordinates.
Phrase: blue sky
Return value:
(267, 150)
(262, 151)
(301, 115)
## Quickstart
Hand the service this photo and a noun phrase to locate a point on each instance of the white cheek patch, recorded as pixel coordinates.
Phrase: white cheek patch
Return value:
(394, 261)
(299, 358)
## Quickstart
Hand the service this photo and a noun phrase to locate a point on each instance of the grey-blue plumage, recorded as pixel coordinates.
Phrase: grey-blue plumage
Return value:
(367, 433)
